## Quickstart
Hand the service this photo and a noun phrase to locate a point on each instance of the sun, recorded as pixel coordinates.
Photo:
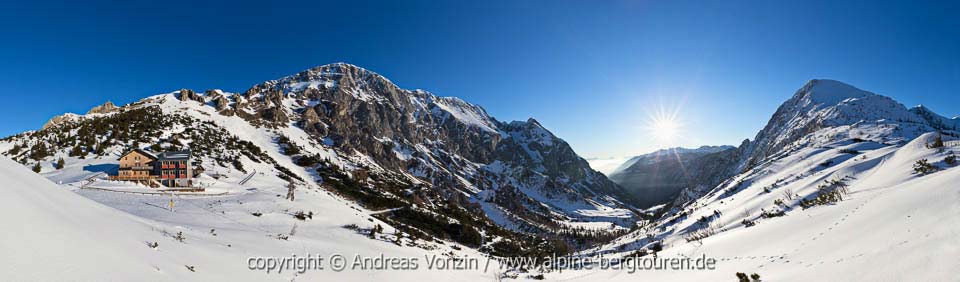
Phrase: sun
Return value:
(665, 129)
(664, 126)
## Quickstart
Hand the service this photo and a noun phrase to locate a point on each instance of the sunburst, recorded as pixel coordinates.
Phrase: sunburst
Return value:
(664, 126)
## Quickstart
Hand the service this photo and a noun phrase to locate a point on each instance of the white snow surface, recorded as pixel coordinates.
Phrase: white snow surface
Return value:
(90, 235)
(894, 225)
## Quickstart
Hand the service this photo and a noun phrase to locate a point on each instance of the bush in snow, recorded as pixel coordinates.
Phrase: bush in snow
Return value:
(778, 202)
(743, 277)
(701, 234)
(37, 168)
(303, 216)
(937, 142)
(923, 167)
(830, 192)
(307, 161)
(398, 238)
(179, 236)
(375, 230)
(656, 247)
(15, 150)
(788, 194)
(849, 151)
(772, 213)
(951, 159)
(747, 223)
(289, 148)
(60, 163)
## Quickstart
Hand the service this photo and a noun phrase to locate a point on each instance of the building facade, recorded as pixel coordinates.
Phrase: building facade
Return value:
(170, 169)
(137, 165)
(174, 169)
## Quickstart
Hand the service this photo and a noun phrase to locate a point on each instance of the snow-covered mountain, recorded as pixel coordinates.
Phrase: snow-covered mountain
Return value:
(841, 183)
(825, 111)
(657, 178)
(355, 133)
(783, 221)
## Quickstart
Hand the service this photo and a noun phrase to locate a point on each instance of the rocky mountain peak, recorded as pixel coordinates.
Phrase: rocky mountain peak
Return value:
(828, 92)
(935, 120)
(107, 107)
(825, 103)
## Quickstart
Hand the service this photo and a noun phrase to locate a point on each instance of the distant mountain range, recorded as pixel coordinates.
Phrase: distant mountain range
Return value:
(658, 177)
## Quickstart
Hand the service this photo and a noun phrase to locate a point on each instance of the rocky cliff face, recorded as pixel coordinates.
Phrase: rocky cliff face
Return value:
(106, 108)
(442, 142)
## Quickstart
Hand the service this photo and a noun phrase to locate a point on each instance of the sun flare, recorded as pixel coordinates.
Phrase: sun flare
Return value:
(665, 130)
(664, 126)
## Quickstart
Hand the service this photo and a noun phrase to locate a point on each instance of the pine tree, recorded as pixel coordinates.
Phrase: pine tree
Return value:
(60, 163)
(76, 151)
(15, 150)
(937, 142)
(100, 148)
(36, 168)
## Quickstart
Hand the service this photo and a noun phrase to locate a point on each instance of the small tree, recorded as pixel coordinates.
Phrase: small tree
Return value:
(290, 191)
(788, 194)
(375, 230)
(937, 142)
(951, 159)
(36, 168)
(60, 163)
(76, 151)
(398, 238)
(923, 167)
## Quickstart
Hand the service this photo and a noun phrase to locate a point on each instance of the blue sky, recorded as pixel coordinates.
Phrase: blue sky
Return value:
(590, 71)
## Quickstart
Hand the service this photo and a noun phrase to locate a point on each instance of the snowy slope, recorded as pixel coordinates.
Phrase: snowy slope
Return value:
(781, 217)
(505, 188)
(57, 234)
(894, 225)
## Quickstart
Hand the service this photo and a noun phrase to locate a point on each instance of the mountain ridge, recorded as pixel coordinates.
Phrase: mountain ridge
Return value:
(354, 132)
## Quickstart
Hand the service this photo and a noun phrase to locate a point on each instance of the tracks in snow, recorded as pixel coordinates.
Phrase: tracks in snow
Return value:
(248, 177)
